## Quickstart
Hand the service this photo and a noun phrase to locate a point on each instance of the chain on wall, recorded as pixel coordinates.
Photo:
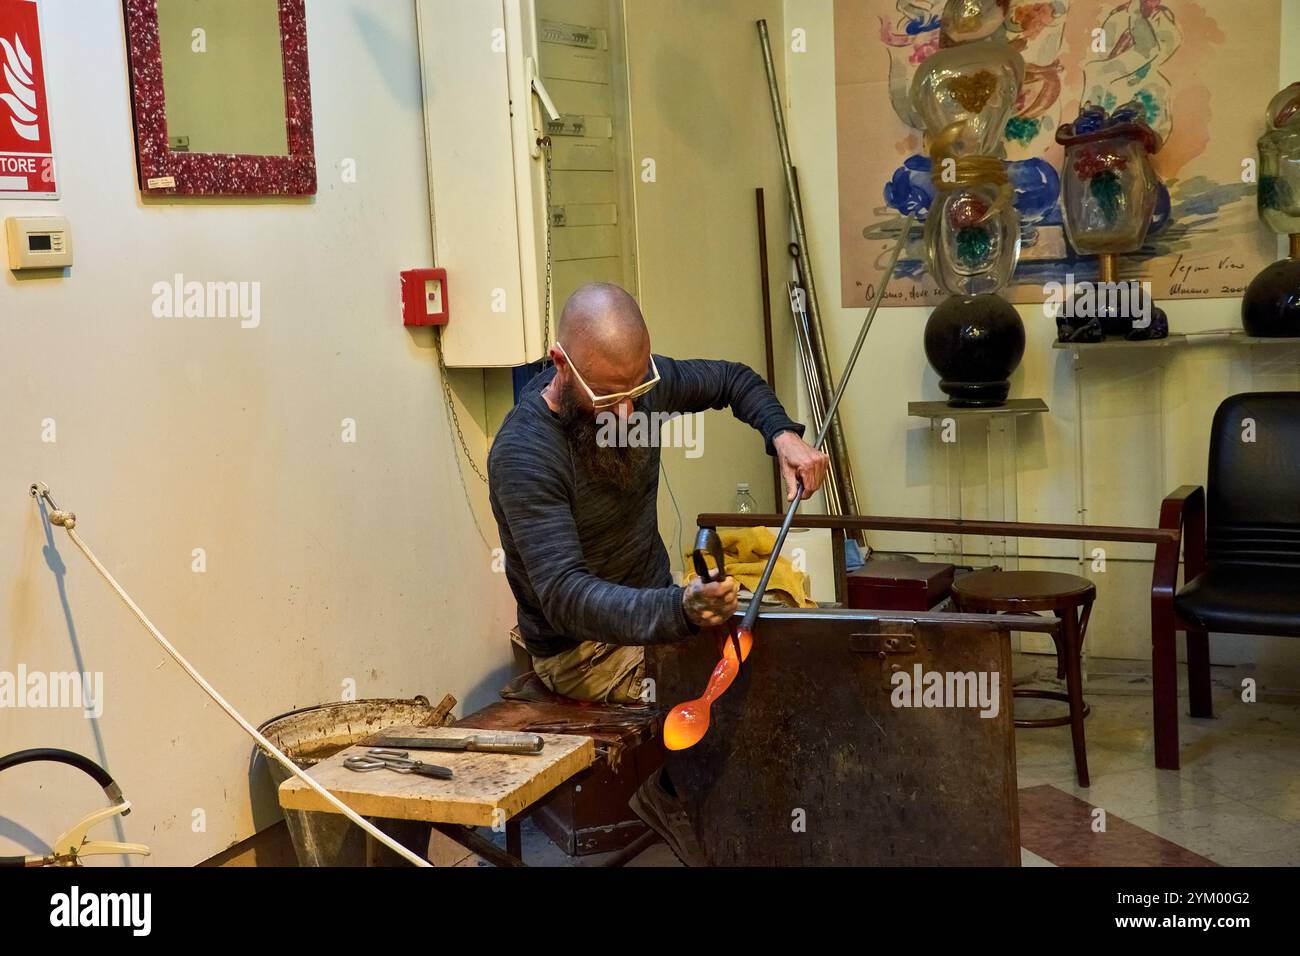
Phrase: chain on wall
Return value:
(545, 144)
(453, 419)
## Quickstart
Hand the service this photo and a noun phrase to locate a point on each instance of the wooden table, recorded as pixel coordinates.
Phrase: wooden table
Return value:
(486, 789)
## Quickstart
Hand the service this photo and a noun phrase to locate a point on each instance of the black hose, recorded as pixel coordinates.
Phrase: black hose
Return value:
(54, 755)
(51, 754)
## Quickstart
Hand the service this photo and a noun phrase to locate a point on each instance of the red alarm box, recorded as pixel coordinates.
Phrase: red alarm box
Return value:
(424, 297)
(899, 585)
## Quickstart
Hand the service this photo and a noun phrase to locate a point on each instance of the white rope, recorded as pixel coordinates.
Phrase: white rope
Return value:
(68, 520)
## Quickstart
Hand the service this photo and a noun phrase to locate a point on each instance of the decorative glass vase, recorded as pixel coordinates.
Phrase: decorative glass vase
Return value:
(1271, 306)
(964, 21)
(1279, 164)
(1110, 187)
(967, 93)
(972, 238)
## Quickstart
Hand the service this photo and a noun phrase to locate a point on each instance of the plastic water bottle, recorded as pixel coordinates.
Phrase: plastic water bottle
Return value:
(744, 504)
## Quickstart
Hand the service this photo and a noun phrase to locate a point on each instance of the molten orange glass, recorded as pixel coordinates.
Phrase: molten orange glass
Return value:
(688, 722)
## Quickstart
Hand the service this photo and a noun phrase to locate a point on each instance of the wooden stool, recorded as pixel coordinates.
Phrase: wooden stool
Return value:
(1064, 595)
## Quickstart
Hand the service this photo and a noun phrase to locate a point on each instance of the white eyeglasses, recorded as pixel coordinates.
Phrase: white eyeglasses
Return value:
(609, 401)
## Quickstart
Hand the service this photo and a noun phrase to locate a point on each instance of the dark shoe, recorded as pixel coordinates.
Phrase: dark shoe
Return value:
(665, 813)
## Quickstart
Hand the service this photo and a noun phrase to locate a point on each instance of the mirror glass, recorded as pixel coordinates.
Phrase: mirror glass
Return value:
(223, 76)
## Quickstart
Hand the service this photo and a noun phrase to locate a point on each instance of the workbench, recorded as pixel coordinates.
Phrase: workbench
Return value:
(486, 789)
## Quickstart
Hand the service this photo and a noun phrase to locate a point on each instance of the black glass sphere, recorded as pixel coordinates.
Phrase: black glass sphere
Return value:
(975, 342)
(1271, 306)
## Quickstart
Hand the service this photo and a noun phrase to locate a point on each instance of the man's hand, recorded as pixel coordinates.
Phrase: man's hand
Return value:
(800, 462)
(710, 603)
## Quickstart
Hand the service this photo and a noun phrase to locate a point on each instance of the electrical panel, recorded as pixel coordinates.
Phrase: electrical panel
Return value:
(530, 173)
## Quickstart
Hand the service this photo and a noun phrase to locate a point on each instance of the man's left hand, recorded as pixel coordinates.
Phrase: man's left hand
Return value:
(800, 462)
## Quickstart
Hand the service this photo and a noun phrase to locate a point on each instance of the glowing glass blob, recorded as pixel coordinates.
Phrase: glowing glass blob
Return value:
(688, 722)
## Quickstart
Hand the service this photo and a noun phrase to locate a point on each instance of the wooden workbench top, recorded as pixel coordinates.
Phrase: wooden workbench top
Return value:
(482, 782)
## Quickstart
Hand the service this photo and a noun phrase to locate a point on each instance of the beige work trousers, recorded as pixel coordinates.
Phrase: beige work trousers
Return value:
(592, 671)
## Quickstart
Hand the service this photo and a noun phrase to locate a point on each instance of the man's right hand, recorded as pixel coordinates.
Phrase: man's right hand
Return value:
(710, 603)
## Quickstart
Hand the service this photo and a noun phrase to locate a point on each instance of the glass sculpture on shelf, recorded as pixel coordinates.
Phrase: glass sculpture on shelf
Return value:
(965, 21)
(973, 232)
(1271, 306)
(969, 92)
(1110, 192)
(964, 94)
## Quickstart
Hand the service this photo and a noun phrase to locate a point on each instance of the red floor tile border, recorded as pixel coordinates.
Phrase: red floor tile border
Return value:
(1059, 827)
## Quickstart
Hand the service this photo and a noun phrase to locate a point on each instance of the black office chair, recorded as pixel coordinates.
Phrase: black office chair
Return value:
(1243, 571)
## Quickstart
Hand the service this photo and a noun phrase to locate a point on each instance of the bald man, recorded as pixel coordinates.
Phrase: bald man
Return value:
(577, 512)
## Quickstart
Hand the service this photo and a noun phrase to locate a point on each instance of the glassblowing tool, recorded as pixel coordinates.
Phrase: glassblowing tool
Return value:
(687, 723)
(379, 758)
(494, 742)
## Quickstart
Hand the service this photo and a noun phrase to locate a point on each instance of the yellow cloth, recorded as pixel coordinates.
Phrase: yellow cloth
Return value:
(747, 551)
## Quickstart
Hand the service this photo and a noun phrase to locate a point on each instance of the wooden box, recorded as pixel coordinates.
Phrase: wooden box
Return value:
(899, 585)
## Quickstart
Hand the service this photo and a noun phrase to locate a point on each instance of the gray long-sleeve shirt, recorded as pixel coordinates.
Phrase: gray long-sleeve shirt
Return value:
(584, 560)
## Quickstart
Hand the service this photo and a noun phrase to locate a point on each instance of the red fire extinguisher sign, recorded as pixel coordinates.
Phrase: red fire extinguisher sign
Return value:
(26, 150)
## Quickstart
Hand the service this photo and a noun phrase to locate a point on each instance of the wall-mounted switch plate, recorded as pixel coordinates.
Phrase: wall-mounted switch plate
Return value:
(38, 242)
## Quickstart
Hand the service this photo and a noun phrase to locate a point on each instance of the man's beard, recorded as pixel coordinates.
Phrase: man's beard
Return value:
(618, 467)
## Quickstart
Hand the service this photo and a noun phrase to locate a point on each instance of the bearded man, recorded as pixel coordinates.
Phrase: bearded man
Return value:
(577, 512)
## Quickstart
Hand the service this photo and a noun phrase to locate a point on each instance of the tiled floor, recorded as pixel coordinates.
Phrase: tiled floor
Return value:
(1235, 802)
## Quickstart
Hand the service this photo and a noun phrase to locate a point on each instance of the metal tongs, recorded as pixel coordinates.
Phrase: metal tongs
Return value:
(708, 542)
(380, 758)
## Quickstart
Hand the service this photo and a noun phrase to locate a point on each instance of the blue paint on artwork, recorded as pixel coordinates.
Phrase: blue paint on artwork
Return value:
(1036, 183)
(1160, 215)
(1038, 187)
(910, 190)
(918, 25)
(1201, 197)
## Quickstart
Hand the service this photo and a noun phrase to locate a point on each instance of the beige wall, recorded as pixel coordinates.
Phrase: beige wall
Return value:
(326, 560)
(699, 110)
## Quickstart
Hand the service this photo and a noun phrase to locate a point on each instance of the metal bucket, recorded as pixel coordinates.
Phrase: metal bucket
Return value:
(310, 735)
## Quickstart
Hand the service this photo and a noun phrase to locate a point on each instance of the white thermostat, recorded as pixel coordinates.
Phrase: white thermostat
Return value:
(38, 242)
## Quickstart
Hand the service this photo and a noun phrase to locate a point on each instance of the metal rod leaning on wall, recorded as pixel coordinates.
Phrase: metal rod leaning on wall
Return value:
(765, 280)
(835, 437)
(816, 401)
(839, 457)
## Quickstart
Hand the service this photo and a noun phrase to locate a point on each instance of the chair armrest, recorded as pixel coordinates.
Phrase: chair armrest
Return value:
(1179, 502)
(1183, 511)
